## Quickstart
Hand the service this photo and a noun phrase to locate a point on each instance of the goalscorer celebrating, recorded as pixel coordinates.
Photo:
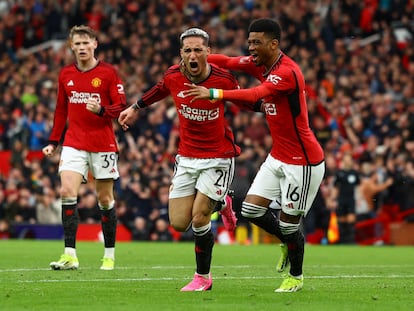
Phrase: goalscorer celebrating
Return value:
(205, 161)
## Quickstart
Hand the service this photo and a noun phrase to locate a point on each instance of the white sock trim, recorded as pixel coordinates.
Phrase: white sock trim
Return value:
(110, 253)
(70, 251)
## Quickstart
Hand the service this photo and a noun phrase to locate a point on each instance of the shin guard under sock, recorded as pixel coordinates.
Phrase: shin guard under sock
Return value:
(204, 242)
(108, 223)
(296, 249)
(70, 223)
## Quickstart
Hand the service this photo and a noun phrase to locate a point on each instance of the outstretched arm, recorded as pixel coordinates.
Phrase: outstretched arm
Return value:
(251, 95)
(236, 63)
(220, 60)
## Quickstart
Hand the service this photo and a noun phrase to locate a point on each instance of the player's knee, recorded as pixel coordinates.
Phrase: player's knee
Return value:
(179, 226)
(200, 219)
(67, 192)
(106, 204)
(250, 210)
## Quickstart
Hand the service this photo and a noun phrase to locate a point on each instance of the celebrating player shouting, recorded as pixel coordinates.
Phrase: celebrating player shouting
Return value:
(205, 160)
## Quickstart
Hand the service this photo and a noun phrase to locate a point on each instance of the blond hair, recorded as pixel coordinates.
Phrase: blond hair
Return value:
(82, 30)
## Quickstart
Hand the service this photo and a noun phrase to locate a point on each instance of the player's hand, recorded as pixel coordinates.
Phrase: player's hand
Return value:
(49, 150)
(127, 117)
(197, 91)
(93, 106)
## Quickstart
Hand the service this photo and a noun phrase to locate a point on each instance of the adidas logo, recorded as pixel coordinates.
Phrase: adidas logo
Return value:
(112, 171)
(181, 94)
(70, 83)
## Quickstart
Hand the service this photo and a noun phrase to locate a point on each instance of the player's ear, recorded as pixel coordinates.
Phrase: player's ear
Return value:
(275, 43)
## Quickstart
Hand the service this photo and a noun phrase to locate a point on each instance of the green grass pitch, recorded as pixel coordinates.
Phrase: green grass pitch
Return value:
(149, 275)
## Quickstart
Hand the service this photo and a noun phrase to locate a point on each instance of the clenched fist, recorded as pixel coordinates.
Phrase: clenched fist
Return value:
(93, 106)
(49, 150)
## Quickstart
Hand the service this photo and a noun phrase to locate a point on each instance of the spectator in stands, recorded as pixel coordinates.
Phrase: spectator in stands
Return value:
(18, 157)
(48, 206)
(138, 198)
(17, 132)
(39, 131)
(25, 206)
(124, 214)
(161, 202)
(161, 226)
(368, 189)
(161, 231)
(140, 230)
(403, 183)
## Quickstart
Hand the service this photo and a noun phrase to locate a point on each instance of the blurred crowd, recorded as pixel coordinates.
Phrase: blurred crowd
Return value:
(358, 62)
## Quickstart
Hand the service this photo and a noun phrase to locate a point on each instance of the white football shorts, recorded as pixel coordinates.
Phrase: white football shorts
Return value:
(211, 177)
(103, 165)
(294, 187)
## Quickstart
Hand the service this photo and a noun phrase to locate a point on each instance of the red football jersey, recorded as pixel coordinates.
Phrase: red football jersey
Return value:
(204, 132)
(86, 130)
(283, 93)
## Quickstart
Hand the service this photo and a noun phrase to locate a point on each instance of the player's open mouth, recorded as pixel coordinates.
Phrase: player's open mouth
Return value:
(193, 66)
(254, 57)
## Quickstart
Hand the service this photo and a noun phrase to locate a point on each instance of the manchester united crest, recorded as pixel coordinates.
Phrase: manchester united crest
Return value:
(96, 82)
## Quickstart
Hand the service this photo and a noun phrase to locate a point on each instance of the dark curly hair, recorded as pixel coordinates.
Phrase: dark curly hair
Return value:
(270, 27)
